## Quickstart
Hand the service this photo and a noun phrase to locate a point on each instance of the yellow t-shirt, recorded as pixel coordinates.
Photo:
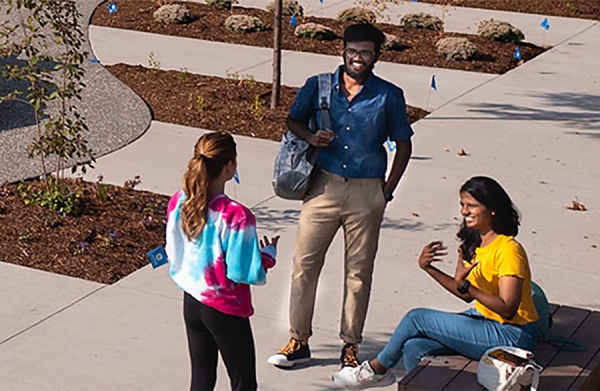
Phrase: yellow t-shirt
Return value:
(503, 257)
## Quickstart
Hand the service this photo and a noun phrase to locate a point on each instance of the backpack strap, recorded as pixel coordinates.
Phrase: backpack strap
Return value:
(325, 99)
(564, 343)
(324, 104)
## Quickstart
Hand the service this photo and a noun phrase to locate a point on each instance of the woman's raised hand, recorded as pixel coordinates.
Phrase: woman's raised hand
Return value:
(462, 270)
(432, 252)
(264, 242)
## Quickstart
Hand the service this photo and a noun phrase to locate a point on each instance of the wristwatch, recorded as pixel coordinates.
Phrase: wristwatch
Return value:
(464, 288)
(388, 196)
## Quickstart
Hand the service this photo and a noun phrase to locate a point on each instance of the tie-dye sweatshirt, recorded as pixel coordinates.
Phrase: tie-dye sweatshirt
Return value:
(217, 266)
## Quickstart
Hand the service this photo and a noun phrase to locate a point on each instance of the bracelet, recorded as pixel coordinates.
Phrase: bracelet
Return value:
(464, 288)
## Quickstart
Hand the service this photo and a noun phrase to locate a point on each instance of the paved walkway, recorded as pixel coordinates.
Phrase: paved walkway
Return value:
(536, 129)
(105, 97)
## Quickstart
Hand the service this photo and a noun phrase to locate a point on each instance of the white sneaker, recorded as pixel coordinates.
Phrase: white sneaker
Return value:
(361, 377)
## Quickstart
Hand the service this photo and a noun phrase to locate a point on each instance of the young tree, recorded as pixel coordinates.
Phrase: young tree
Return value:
(42, 41)
(276, 88)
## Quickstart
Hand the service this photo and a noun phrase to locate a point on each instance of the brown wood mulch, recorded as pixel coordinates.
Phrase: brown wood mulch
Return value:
(583, 9)
(418, 44)
(237, 104)
(104, 244)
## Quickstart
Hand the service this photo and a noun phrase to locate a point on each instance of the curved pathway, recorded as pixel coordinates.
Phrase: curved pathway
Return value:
(115, 116)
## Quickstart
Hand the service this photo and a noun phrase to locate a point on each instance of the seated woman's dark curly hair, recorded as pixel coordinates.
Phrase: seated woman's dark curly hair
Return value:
(505, 219)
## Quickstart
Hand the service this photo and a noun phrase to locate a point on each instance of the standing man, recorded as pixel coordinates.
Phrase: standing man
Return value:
(349, 188)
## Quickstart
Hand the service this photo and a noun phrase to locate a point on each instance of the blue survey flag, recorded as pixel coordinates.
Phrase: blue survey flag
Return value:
(112, 7)
(391, 145)
(321, 1)
(236, 177)
(433, 83)
(517, 53)
(95, 60)
(545, 24)
(294, 21)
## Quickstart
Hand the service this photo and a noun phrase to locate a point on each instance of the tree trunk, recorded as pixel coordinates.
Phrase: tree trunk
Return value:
(276, 56)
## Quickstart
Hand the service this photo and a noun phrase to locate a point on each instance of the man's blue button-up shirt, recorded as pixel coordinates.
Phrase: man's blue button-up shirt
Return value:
(362, 125)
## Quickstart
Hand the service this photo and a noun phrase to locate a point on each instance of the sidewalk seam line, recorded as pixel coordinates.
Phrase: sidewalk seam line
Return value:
(52, 315)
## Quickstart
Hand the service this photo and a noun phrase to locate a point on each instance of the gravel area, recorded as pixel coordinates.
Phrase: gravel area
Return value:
(115, 115)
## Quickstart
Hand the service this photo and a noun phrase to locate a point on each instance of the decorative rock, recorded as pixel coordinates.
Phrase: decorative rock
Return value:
(392, 42)
(244, 23)
(173, 14)
(289, 7)
(497, 30)
(422, 21)
(456, 48)
(314, 30)
(357, 14)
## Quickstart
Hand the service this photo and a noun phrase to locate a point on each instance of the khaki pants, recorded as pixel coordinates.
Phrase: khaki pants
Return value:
(357, 205)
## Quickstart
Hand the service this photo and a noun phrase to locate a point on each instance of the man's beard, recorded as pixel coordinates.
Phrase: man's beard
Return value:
(358, 75)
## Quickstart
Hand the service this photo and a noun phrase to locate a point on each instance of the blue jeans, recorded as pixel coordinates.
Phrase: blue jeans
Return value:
(425, 332)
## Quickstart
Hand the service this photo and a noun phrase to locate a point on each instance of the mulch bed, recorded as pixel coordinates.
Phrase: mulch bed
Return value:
(583, 9)
(419, 44)
(108, 241)
(237, 104)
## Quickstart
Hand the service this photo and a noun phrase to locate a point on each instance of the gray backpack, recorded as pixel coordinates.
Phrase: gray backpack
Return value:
(296, 158)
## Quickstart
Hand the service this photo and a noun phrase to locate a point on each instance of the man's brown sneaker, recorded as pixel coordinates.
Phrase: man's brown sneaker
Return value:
(295, 352)
(349, 357)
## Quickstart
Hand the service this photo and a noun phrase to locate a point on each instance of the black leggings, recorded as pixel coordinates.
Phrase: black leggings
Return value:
(209, 332)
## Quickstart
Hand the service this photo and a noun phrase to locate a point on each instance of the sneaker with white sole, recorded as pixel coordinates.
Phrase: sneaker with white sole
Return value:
(295, 352)
(362, 377)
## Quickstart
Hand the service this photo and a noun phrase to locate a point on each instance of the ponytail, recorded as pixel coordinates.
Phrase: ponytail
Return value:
(211, 153)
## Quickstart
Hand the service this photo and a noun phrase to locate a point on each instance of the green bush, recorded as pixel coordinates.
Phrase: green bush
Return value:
(314, 30)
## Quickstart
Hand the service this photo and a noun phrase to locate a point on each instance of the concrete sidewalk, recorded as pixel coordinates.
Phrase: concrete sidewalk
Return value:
(535, 129)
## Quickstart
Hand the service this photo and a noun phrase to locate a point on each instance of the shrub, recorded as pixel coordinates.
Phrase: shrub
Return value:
(357, 14)
(225, 4)
(314, 30)
(289, 7)
(392, 42)
(422, 21)
(497, 30)
(173, 14)
(244, 23)
(456, 48)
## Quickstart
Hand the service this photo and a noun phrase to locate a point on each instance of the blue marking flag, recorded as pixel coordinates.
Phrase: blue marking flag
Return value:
(236, 177)
(112, 7)
(545, 24)
(433, 83)
(415, 1)
(157, 257)
(517, 54)
(95, 60)
(391, 145)
(294, 21)
(321, 1)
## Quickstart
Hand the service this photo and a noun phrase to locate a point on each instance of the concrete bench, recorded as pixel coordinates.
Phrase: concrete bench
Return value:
(563, 370)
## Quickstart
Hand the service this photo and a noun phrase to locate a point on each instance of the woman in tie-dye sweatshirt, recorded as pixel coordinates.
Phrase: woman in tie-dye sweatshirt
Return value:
(215, 255)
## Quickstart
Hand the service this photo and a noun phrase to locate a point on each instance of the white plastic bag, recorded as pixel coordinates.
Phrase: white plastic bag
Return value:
(506, 368)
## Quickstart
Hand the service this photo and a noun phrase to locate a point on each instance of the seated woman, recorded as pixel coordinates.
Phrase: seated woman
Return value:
(492, 269)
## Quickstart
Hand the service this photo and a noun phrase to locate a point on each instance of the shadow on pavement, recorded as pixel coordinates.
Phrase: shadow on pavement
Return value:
(579, 112)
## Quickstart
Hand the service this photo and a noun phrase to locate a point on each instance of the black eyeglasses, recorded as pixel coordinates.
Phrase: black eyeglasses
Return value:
(364, 54)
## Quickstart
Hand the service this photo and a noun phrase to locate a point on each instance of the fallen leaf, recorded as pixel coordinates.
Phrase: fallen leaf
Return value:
(462, 152)
(576, 206)
(415, 214)
(446, 149)
(585, 236)
(593, 246)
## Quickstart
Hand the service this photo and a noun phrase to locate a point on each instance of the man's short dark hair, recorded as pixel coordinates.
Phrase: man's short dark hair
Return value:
(364, 32)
